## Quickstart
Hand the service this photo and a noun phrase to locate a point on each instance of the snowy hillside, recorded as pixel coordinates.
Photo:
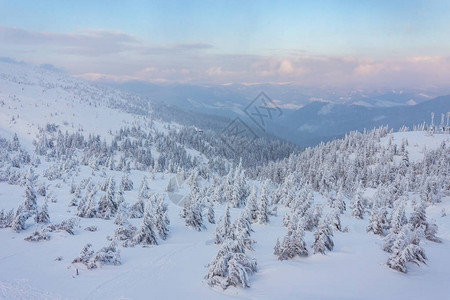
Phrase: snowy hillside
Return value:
(108, 202)
(32, 97)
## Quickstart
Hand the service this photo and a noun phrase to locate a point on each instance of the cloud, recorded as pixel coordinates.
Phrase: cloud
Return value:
(286, 67)
(174, 48)
(305, 71)
(365, 69)
(117, 56)
(308, 71)
(104, 77)
(217, 71)
(87, 42)
(94, 42)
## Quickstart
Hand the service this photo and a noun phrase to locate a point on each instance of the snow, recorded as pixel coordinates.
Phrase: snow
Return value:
(175, 269)
(417, 142)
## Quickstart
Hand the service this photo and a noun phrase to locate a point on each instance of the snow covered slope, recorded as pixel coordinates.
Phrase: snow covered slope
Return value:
(31, 97)
(75, 174)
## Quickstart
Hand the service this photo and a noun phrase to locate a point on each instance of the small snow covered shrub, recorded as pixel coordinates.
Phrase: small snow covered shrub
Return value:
(20, 217)
(38, 236)
(125, 233)
(231, 266)
(91, 228)
(127, 183)
(404, 247)
(293, 243)
(66, 225)
(6, 218)
(108, 255)
(85, 257)
(92, 260)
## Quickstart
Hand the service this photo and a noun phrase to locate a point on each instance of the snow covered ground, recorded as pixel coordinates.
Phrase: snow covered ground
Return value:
(175, 269)
(355, 269)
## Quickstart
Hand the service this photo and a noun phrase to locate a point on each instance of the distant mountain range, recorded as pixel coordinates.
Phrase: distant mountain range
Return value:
(309, 115)
(288, 96)
(321, 121)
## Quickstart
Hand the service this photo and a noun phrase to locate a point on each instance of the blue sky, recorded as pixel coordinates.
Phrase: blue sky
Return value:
(303, 42)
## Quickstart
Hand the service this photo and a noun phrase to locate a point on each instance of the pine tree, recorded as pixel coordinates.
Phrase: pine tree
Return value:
(300, 244)
(357, 205)
(418, 219)
(30, 193)
(235, 197)
(243, 186)
(86, 200)
(85, 255)
(107, 206)
(20, 217)
(223, 227)
(252, 204)
(231, 267)
(263, 206)
(76, 193)
(418, 216)
(144, 189)
(373, 220)
(430, 233)
(162, 220)
(192, 209)
(119, 198)
(42, 216)
(122, 214)
(339, 202)
(91, 207)
(15, 145)
(336, 220)
(316, 215)
(137, 210)
(405, 248)
(108, 255)
(398, 216)
(6, 218)
(125, 233)
(72, 186)
(227, 188)
(239, 267)
(287, 190)
(277, 248)
(218, 193)
(226, 226)
(211, 217)
(322, 238)
(309, 219)
(146, 234)
(193, 196)
(218, 235)
(242, 230)
(293, 242)
(82, 205)
(126, 183)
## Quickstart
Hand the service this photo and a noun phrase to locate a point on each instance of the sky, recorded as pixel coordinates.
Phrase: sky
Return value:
(397, 44)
